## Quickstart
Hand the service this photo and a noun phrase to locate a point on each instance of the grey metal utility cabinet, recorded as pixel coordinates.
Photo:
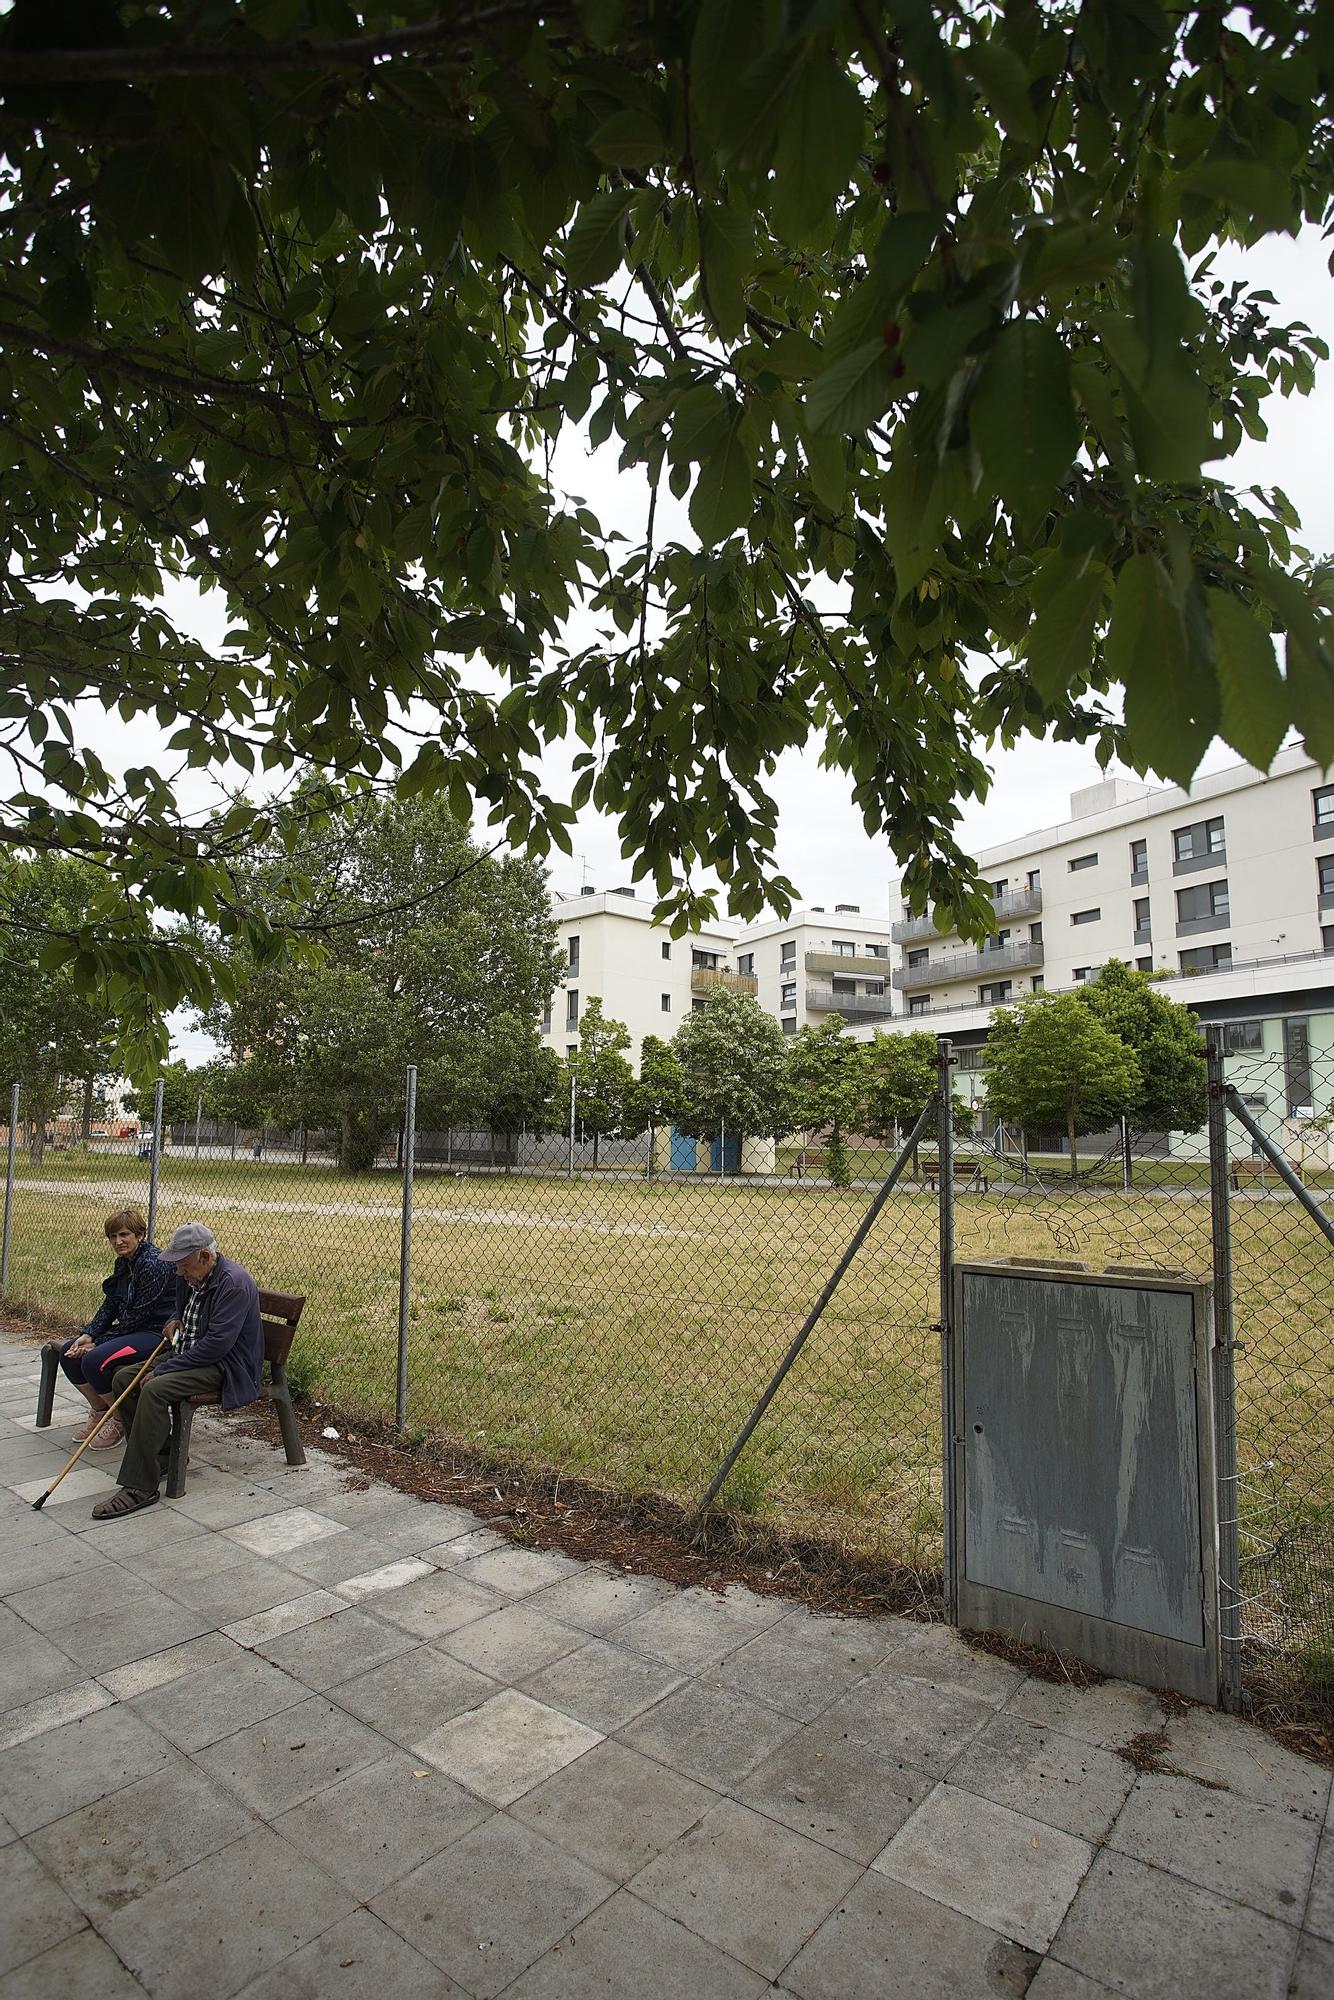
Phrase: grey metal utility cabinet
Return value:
(1085, 1501)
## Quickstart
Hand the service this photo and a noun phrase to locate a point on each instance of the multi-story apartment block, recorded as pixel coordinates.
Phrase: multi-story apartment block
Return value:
(643, 975)
(816, 963)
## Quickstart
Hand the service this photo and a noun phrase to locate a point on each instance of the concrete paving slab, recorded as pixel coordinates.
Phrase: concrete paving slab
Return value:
(229, 1595)
(600, 1601)
(1059, 1779)
(56, 1555)
(1012, 1873)
(798, 1668)
(358, 1959)
(279, 1534)
(289, 1616)
(698, 1628)
(614, 1809)
(1320, 1906)
(378, 1824)
(506, 1746)
(846, 1798)
(11, 1625)
(909, 1721)
(1228, 1752)
(512, 1643)
(365, 1506)
(85, 1482)
(82, 1968)
(457, 1550)
(710, 1733)
(203, 1707)
(936, 1653)
(753, 1888)
(412, 1694)
(56, 1773)
(229, 1505)
(669, 1962)
(886, 1942)
(491, 1904)
(335, 1649)
(289, 1757)
(251, 1906)
(1155, 1936)
(108, 1853)
(159, 1669)
(51, 1711)
(147, 1622)
(439, 1604)
(328, 1561)
(603, 1685)
(1259, 1855)
(1313, 1971)
(133, 1534)
(1108, 1715)
(514, 1572)
(35, 1912)
(389, 1576)
(1061, 1982)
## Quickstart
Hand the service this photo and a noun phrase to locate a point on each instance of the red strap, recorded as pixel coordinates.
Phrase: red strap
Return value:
(120, 1355)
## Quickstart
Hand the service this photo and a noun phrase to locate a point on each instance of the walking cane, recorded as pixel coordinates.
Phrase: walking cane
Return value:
(110, 1410)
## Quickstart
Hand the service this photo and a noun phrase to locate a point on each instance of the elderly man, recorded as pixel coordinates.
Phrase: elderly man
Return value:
(219, 1350)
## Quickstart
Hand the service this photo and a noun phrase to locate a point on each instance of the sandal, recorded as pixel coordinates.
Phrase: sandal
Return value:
(109, 1435)
(124, 1501)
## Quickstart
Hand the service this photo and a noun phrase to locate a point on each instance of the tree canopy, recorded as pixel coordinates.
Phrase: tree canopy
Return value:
(53, 1036)
(1053, 1066)
(914, 299)
(1164, 1038)
(733, 1058)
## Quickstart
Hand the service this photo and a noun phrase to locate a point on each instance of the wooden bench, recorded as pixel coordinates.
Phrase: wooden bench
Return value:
(279, 1313)
(968, 1171)
(814, 1161)
(1258, 1170)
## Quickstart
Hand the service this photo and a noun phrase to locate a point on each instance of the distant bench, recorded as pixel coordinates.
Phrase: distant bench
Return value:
(969, 1172)
(814, 1160)
(1258, 1170)
(279, 1313)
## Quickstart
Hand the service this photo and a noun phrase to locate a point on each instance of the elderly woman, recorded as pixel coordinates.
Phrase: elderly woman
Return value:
(137, 1302)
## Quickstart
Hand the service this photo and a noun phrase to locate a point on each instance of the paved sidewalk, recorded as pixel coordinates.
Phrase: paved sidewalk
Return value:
(283, 1738)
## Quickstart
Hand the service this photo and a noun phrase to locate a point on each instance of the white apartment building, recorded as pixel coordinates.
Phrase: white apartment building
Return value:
(643, 975)
(819, 962)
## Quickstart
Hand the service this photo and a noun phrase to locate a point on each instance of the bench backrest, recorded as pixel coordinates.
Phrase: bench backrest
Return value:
(279, 1313)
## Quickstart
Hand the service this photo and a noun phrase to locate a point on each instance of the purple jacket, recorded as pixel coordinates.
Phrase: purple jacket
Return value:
(230, 1336)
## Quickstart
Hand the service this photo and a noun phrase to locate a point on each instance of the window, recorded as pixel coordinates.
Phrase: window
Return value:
(921, 1005)
(695, 1005)
(997, 941)
(1035, 878)
(1141, 907)
(844, 948)
(1082, 861)
(789, 1024)
(667, 951)
(745, 965)
(572, 1048)
(1083, 972)
(1086, 916)
(992, 994)
(1322, 807)
(921, 957)
(1205, 904)
(1038, 982)
(876, 950)
(1325, 870)
(1035, 934)
(572, 947)
(999, 888)
(1206, 957)
(1327, 936)
(788, 994)
(666, 1003)
(708, 960)
(873, 986)
(572, 1007)
(1144, 965)
(1243, 1036)
(1139, 860)
(1192, 846)
(845, 986)
(788, 952)
(546, 1019)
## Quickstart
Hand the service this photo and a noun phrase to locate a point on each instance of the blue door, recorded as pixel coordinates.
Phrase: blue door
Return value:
(683, 1152)
(726, 1160)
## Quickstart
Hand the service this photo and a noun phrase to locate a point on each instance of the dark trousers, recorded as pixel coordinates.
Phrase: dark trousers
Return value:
(146, 1417)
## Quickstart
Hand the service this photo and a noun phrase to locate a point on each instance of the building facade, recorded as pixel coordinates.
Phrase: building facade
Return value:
(644, 976)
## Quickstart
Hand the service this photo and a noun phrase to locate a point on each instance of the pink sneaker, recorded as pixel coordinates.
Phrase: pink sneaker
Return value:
(109, 1435)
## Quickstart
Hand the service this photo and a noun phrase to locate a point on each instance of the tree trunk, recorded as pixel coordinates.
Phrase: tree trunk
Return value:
(86, 1129)
(597, 1143)
(37, 1149)
(1074, 1156)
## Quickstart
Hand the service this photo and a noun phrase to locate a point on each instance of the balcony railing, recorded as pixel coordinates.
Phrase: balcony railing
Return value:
(957, 965)
(848, 965)
(706, 978)
(852, 1006)
(1014, 903)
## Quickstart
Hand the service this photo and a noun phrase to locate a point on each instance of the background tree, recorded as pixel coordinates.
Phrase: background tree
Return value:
(732, 1056)
(604, 1081)
(659, 1091)
(1165, 1040)
(430, 952)
(56, 1036)
(913, 302)
(521, 1087)
(901, 1071)
(1053, 1066)
(826, 1089)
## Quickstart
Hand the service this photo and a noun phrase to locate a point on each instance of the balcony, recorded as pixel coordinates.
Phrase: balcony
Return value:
(1014, 903)
(853, 965)
(852, 1006)
(707, 979)
(957, 965)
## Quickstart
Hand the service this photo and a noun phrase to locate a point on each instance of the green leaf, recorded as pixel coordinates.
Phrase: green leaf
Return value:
(905, 244)
(1059, 647)
(914, 511)
(857, 389)
(1171, 693)
(818, 149)
(1254, 708)
(723, 499)
(725, 245)
(628, 138)
(827, 464)
(1023, 416)
(729, 35)
(1311, 692)
(747, 120)
(596, 239)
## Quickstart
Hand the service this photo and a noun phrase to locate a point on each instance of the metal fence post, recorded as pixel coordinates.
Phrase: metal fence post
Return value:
(405, 1247)
(9, 1186)
(154, 1159)
(1225, 1388)
(569, 1171)
(948, 1428)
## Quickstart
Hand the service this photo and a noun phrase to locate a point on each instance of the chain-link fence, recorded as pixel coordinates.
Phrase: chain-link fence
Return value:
(612, 1309)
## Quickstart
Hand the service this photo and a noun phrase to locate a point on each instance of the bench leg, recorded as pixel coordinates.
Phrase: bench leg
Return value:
(46, 1388)
(281, 1398)
(182, 1422)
